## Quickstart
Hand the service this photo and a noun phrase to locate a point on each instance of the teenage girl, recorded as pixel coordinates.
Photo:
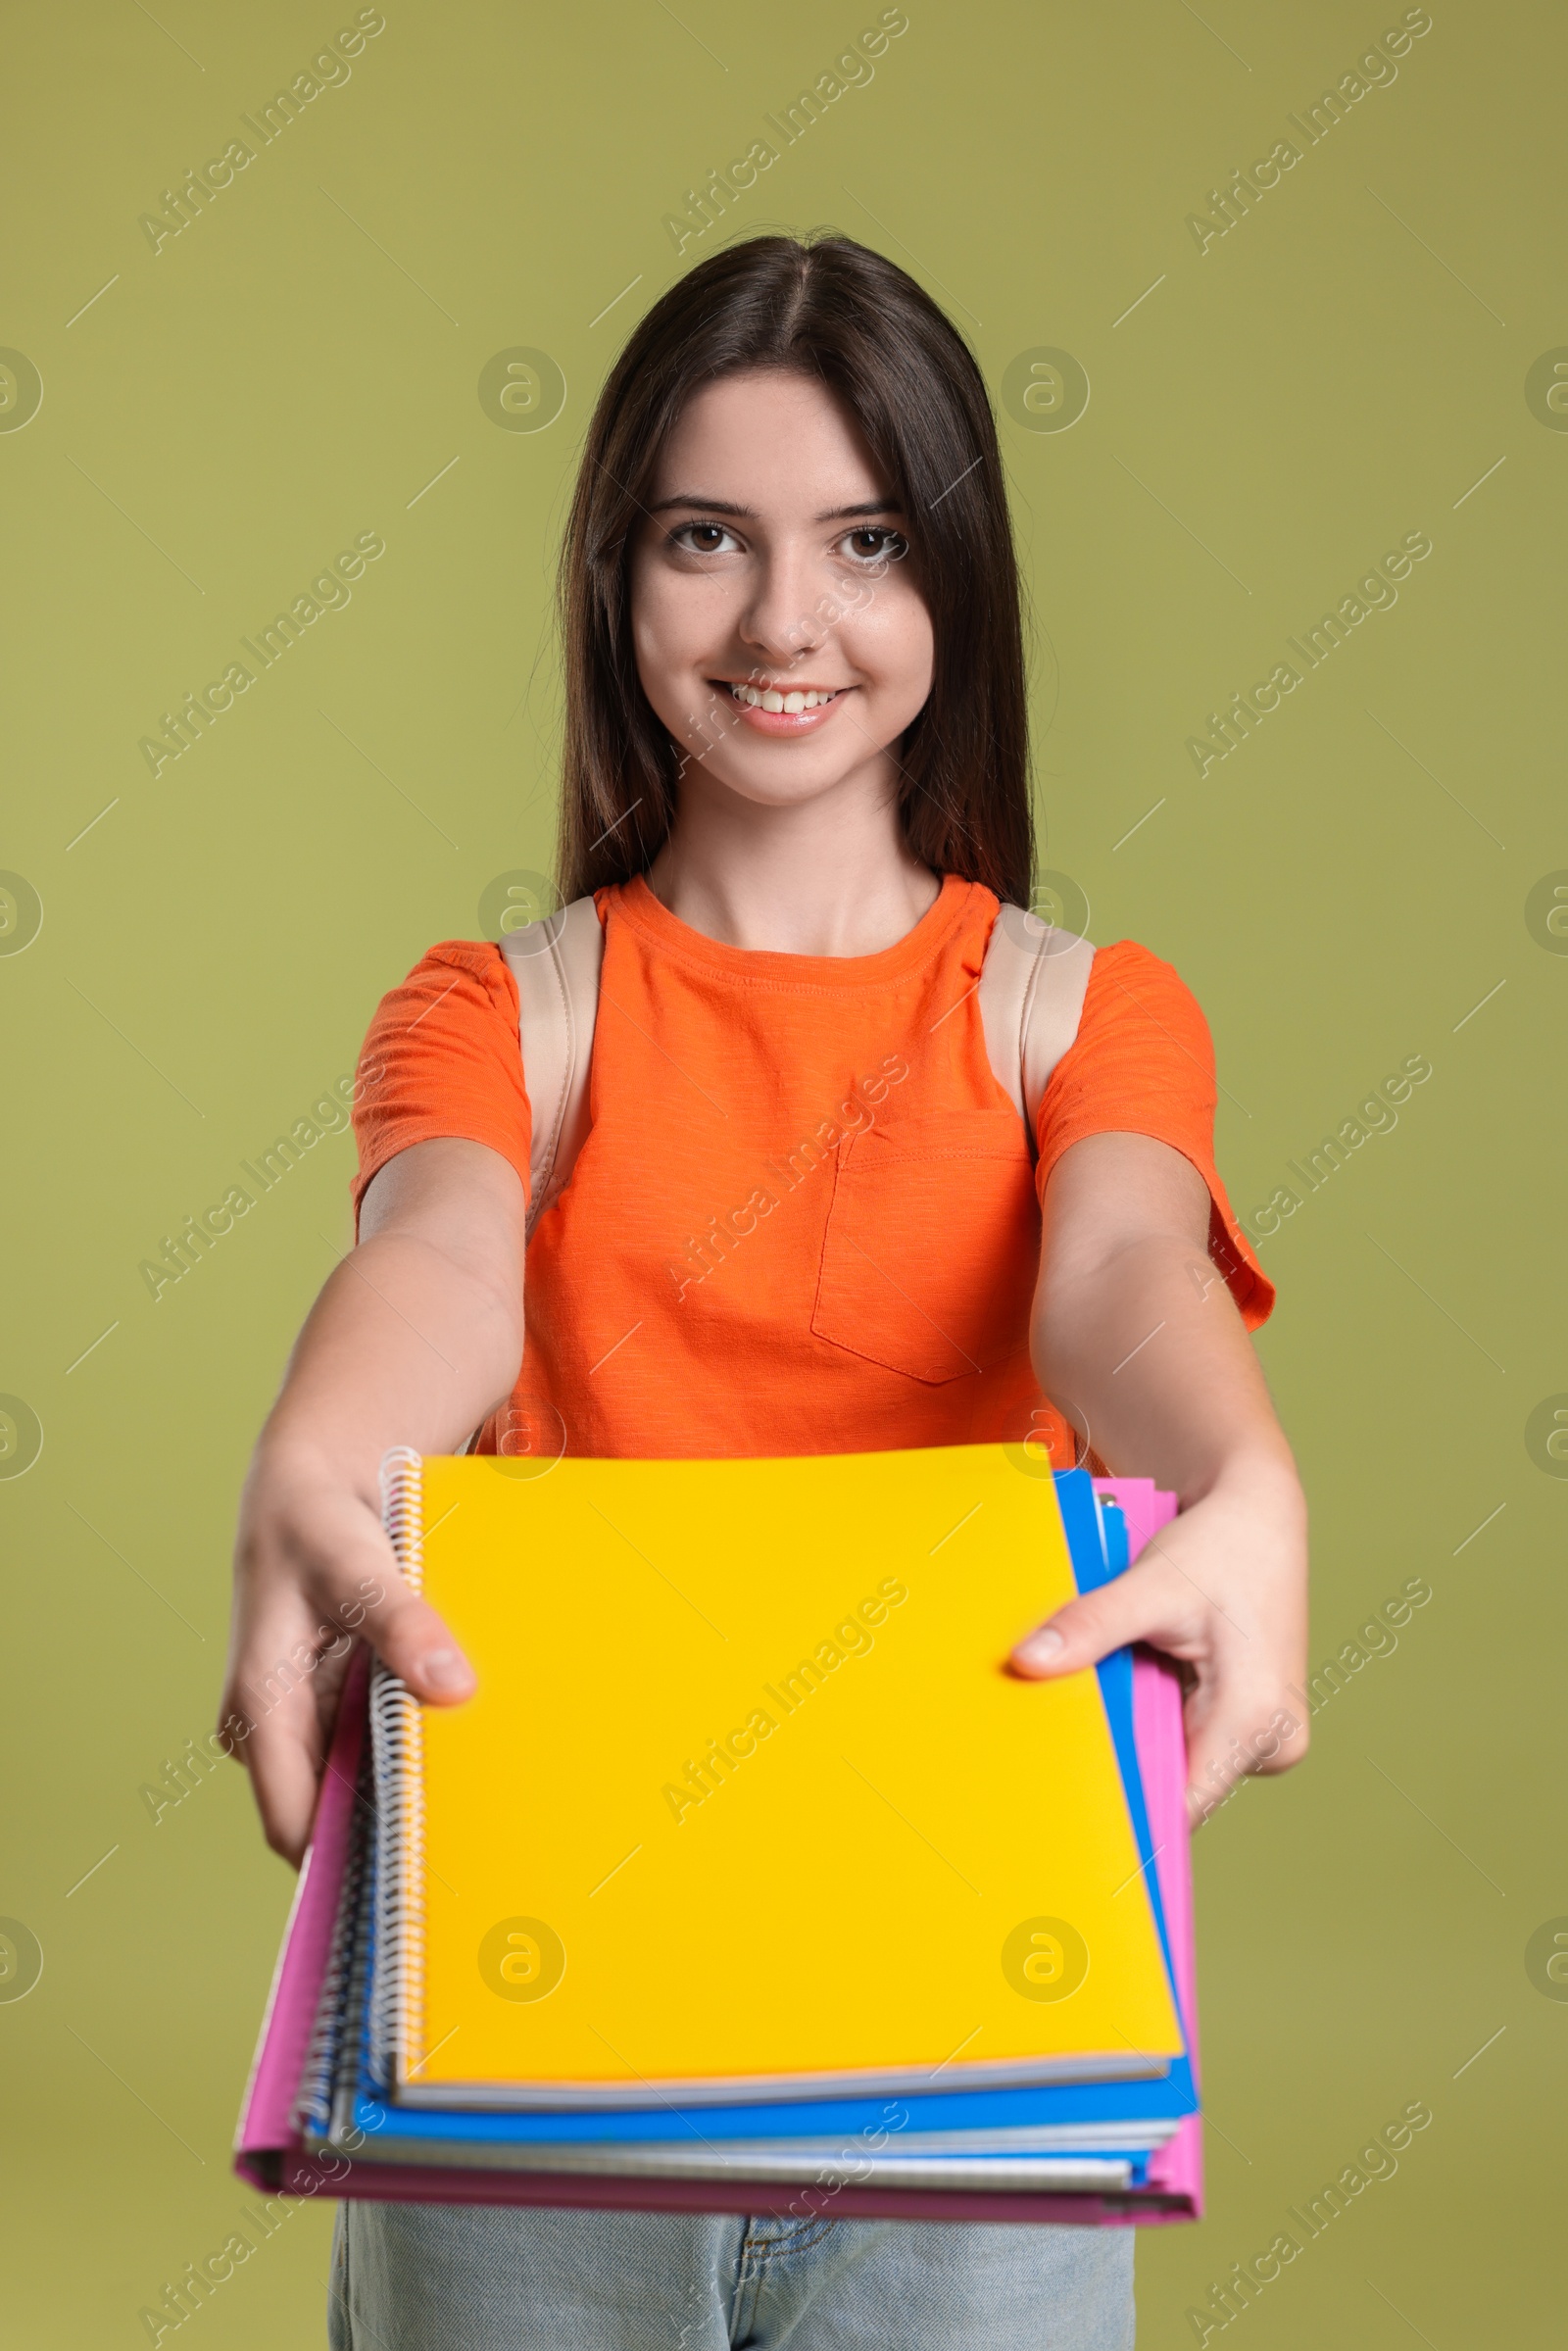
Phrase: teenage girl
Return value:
(796, 781)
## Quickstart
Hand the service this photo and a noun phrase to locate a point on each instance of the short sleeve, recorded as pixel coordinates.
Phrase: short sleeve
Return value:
(442, 1059)
(1143, 1063)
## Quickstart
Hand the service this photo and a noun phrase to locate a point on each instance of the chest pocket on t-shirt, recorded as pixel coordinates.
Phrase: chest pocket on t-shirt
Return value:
(932, 1244)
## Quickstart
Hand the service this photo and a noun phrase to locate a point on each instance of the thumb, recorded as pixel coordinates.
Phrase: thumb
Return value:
(1127, 1608)
(359, 1581)
(415, 1643)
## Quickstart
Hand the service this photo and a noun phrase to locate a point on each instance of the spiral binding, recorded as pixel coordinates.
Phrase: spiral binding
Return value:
(403, 1510)
(353, 2056)
(335, 2008)
(397, 2005)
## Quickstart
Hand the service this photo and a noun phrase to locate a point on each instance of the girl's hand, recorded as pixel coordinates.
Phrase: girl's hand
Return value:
(313, 1573)
(1137, 1339)
(1222, 1589)
(417, 1336)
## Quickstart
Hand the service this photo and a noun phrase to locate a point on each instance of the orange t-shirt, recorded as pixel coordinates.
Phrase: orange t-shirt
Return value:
(804, 1219)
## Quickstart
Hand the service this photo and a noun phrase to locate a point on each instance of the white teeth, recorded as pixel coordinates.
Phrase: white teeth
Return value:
(769, 697)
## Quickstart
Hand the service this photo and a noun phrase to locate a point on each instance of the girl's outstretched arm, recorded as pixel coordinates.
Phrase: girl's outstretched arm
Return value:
(416, 1337)
(1136, 1337)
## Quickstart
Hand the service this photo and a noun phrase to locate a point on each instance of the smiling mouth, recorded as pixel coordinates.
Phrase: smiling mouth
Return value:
(790, 700)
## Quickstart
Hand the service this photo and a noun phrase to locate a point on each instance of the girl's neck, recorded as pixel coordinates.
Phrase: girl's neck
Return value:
(833, 876)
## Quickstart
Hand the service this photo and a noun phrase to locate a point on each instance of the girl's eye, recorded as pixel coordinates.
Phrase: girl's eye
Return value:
(878, 543)
(702, 538)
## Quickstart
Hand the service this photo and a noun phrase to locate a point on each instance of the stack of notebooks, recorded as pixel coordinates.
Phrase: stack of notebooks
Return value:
(751, 1881)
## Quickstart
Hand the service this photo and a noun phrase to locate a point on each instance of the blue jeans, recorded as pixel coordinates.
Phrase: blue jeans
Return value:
(484, 2278)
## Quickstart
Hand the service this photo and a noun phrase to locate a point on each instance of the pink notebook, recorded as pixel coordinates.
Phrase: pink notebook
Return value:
(1176, 2170)
(267, 2117)
(270, 2152)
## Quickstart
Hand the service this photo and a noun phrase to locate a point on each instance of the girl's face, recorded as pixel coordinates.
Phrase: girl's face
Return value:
(780, 631)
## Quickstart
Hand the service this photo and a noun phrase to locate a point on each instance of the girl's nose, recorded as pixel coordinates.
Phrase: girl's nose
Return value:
(783, 620)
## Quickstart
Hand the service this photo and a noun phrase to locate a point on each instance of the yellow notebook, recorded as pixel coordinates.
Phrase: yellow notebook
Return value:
(745, 1802)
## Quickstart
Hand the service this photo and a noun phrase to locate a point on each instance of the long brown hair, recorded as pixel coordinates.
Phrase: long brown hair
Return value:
(830, 308)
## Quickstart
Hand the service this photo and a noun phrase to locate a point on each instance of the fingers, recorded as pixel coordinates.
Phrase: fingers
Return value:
(1144, 1605)
(1238, 1736)
(281, 1704)
(285, 1768)
(303, 1603)
(1243, 1717)
(343, 1580)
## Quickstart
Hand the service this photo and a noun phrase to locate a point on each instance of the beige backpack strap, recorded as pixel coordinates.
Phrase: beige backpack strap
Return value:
(555, 964)
(1032, 986)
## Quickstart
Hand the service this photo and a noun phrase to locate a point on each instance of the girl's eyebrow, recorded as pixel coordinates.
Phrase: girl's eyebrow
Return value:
(711, 505)
(869, 505)
(747, 513)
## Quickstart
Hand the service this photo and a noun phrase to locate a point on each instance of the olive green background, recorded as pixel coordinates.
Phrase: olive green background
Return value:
(1349, 887)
